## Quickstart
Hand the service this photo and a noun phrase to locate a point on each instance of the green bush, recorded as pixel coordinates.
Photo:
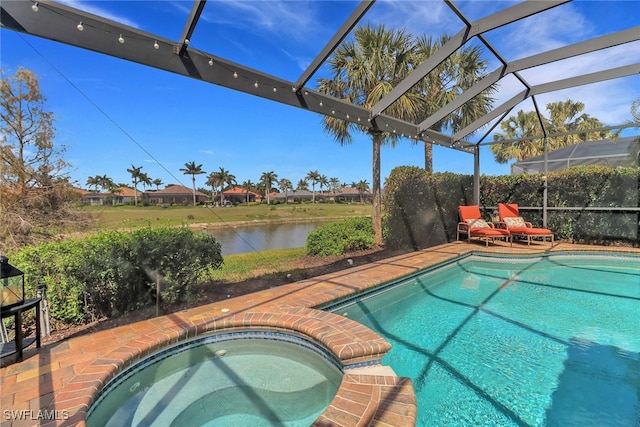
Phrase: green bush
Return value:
(421, 209)
(116, 272)
(337, 238)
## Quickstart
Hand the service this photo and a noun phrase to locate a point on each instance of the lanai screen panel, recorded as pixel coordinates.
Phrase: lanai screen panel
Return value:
(622, 152)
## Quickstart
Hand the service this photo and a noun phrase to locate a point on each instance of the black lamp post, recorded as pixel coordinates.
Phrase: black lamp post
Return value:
(12, 281)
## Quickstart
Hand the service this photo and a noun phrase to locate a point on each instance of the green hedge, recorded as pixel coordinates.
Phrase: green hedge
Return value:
(116, 272)
(421, 209)
(337, 238)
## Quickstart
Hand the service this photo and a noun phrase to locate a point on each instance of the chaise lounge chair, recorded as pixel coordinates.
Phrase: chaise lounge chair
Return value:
(510, 216)
(472, 224)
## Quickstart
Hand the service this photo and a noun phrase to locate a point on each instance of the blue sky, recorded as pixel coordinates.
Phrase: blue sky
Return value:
(111, 114)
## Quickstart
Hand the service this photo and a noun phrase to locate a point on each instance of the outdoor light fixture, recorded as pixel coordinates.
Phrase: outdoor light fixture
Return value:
(156, 46)
(12, 281)
(235, 75)
(275, 89)
(121, 39)
(80, 27)
(255, 85)
(35, 7)
(211, 61)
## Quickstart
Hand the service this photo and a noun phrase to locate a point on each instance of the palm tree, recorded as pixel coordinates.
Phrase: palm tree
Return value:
(362, 187)
(221, 178)
(285, 185)
(212, 181)
(365, 69)
(302, 185)
(231, 180)
(145, 180)
(268, 179)
(248, 186)
(93, 181)
(157, 182)
(105, 182)
(190, 168)
(564, 116)
(135, 176)
(446, 82)
(334, 185)
(521, 127)
(313, 176)
(322, 182)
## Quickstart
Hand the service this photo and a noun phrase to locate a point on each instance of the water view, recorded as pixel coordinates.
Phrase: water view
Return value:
(256, 238)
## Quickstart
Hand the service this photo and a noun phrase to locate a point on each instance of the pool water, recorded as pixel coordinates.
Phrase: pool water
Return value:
(547, 341)
(229, 382)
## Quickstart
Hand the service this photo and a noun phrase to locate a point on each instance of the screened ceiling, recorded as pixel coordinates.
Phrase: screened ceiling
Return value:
(201, 48)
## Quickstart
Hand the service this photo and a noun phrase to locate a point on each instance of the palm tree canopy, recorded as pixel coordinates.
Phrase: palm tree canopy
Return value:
(564, 116)
(367, 68)
(190, 168)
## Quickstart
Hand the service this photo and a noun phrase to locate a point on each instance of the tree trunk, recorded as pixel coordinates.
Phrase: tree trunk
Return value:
(377, 195)
(193, 179)
(428, 157)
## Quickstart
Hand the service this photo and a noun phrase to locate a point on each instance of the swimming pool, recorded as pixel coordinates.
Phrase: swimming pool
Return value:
(247, 378)
(505, 341)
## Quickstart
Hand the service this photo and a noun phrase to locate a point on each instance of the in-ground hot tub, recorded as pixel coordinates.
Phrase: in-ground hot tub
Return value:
(240, 378)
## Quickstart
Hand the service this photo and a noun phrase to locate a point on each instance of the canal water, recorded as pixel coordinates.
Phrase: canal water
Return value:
(257, 238)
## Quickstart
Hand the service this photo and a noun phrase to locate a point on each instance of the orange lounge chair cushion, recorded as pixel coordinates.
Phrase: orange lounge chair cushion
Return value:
(469, 212)
(489, 232)
(510, 215)
(508, 210)
(530, 230)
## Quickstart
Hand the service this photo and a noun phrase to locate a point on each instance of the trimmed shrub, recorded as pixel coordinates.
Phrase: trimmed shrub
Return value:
(116, 272)
(337, 238)
(421, 209)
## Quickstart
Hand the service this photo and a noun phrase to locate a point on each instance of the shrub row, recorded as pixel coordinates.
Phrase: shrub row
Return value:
(421, 209)
(337, 238)
(117, 272)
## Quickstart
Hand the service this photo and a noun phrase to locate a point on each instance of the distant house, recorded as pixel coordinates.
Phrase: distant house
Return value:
(347, 194)
(292, 196)
(240, 195)
(176, 194)
(350, 194)
(118, 196)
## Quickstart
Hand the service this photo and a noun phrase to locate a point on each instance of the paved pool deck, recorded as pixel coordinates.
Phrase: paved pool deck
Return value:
(56, 384)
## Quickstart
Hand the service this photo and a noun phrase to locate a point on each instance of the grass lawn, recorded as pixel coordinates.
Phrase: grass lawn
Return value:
(125, 217)
(241, 267)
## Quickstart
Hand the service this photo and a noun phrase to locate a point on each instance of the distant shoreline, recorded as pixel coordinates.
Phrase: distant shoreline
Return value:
(257, 222)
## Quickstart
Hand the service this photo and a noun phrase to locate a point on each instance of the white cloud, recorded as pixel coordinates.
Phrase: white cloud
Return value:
(291, 19)
(92, 8)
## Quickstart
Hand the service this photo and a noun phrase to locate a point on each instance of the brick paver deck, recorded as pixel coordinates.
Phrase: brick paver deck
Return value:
(60, 379)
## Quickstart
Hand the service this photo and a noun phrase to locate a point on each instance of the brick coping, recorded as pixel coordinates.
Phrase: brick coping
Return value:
(62, 379)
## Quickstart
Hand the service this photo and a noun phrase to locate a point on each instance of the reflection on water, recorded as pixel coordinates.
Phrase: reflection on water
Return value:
(263, 237)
